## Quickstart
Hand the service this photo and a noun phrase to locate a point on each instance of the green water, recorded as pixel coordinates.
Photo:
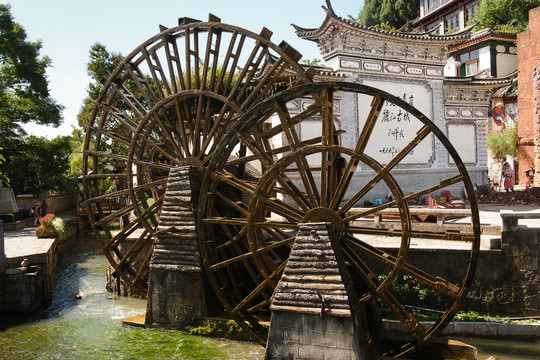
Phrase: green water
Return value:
(527, 349)
(91, 328)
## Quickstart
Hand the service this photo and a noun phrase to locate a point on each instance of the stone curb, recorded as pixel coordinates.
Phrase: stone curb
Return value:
(463, 328)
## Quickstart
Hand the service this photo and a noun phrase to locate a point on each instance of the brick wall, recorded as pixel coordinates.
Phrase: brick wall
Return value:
(528, 53)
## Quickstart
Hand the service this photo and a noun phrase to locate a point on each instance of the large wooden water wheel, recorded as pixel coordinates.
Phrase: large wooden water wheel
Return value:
(170, 103)
(304, 165)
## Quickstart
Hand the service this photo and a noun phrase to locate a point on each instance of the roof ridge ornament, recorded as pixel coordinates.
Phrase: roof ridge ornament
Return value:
(328, 8)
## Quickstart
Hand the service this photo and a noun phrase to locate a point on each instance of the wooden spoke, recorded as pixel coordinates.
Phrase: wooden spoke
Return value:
(115, 215)
(240, 235)
(443, 184)
(406, 318)
(142, 85)
(360, 194)
(420, 135)
(220, 265)
(376, 107)
(134, 249)
(436, 283)
(282, 208)
(310, 111)
(301, 162)
(264, 284)
(234, 182)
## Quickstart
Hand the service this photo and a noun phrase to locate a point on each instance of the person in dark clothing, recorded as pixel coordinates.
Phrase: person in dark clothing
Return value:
(44, 208)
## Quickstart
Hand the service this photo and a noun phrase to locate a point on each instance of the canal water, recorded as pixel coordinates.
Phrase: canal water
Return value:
(91, 327)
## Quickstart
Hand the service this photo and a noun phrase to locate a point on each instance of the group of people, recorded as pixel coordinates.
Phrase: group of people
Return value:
(38, 211)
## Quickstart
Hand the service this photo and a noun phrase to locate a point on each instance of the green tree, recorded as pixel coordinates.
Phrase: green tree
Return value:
(101, 64)
(312, 62)
(24, 92)
(41, 164)
(510, 16)
(3, 178)
(387, 14)
(370, 13)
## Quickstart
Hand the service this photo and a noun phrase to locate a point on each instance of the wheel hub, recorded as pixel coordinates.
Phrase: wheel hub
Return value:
(321, 214)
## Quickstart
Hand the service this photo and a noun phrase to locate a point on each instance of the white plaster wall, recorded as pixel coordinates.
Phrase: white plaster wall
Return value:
(463, 137)
(506, 64)
(484, 62)
(397, 127)
(451, 67)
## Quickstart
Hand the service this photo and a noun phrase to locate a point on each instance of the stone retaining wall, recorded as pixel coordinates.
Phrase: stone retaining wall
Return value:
(506, 280)
(56, 203)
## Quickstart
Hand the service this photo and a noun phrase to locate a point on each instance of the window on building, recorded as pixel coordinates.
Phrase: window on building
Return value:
(469, 63)
(431, 5)
(470, 10)
(451, 22)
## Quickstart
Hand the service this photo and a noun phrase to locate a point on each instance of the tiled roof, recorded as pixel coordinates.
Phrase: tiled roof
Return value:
(332, 21)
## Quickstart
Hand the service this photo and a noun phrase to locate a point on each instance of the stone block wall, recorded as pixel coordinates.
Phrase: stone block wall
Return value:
(56, 203)
(306, 336)
(22, 290)
(506, 281)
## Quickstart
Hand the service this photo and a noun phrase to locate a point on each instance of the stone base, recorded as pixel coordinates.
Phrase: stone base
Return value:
(174, 299)
(308, 336)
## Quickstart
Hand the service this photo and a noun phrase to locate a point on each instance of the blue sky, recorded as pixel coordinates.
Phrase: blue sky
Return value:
(68, 28)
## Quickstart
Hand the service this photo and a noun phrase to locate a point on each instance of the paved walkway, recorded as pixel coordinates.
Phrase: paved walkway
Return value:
(24, 243)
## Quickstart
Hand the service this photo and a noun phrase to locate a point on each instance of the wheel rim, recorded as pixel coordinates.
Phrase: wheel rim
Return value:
(169, 103)
(246, 219)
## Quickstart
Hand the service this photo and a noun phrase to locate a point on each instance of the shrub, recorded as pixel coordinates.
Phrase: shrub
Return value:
(59, 227)
(503, 143)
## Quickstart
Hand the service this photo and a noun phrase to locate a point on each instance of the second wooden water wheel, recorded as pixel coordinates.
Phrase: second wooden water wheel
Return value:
(302, 165)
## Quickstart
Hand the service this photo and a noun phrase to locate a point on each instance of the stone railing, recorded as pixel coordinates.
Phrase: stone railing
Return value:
(510, 218)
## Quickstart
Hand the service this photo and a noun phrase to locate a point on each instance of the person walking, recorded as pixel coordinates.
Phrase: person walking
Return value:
(36, 210)
(44, 208)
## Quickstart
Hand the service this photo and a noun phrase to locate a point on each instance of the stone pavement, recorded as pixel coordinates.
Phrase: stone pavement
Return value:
(23, 243)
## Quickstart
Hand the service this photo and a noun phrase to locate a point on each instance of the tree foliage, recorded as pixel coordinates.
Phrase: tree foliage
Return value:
(24, 92)
(41, 164)
(387, 14)
(32, 164)
(101, 64)
(503, 143)
(510, 16)
(4, 180)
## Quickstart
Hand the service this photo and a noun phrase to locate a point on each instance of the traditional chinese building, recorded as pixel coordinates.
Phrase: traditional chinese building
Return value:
(412, 66)
(445, 16)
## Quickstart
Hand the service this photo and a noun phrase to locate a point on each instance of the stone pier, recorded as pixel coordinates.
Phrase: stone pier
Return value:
(175, 291)
(311, 313)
